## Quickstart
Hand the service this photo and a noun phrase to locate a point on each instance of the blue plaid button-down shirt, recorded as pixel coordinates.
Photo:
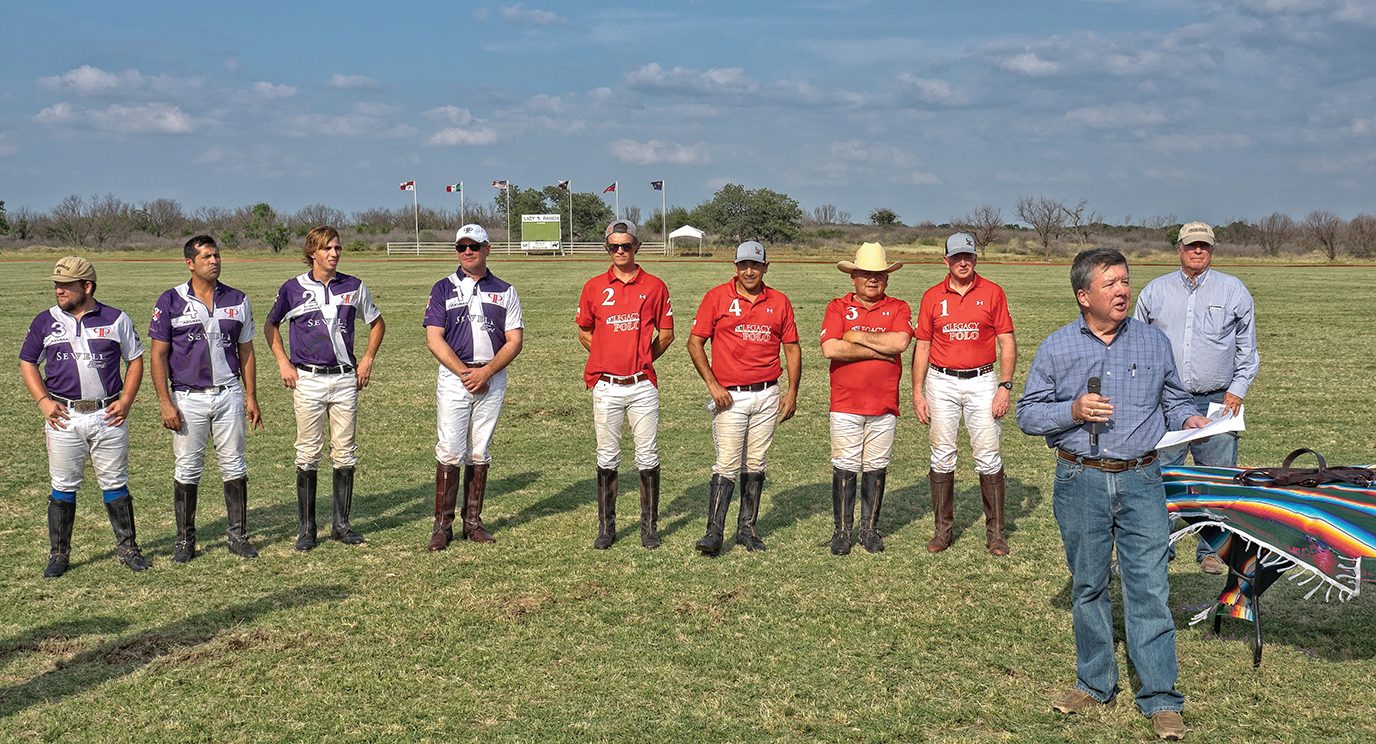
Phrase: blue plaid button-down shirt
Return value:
(1137, 374)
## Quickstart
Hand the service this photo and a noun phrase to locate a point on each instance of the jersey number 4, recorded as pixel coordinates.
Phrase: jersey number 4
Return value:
(735, 308)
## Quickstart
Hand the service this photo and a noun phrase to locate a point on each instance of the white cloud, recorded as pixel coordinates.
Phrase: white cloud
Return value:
(352, 82)
(713, 81)
(146, 118)
(461, 136)
(930, 90)
(364, 119)
(450, 115)
(1116, 116)
(864, 159)
(657, 152)
(264, 89)
(520, 14)
(1028, 63)
(601, 95)
(1363, 127)
(86, 80)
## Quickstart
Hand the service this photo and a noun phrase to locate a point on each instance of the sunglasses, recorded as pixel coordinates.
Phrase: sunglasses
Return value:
(468, 247)
(614, 247)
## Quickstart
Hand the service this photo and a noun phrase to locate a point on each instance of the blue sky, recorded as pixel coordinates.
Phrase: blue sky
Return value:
(1202, 109)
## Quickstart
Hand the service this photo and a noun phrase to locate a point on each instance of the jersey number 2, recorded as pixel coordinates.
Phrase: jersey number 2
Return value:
(609, 297)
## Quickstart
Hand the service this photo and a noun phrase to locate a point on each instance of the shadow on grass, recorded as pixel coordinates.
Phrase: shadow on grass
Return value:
(59, 633)
(568, 499)
(123, 656)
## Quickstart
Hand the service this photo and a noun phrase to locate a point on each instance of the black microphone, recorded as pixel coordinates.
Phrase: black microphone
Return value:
(1094, 425)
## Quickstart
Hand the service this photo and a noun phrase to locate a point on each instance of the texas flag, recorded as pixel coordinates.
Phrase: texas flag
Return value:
(454, 187)
(408, 186)
(499, 184)
(610, 189)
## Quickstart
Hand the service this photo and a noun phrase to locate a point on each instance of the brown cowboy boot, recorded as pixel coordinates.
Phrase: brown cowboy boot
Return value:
(446, 494)
(943, 509)
(475, 478)
(991, 488)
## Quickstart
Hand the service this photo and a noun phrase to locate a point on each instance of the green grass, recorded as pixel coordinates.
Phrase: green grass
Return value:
(539, 637)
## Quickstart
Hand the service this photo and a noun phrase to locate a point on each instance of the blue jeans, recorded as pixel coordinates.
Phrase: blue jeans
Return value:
(1218, 451)
(1096, 510)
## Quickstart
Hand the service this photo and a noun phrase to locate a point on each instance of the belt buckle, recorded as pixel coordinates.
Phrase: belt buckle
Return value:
(85, 406)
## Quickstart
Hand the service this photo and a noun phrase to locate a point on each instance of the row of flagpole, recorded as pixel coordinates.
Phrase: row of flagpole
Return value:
(565, 184)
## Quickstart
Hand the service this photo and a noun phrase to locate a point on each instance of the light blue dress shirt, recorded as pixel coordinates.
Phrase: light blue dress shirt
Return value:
(1210, 323)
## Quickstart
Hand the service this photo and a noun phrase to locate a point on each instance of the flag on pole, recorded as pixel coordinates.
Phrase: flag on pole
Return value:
(408, 186)
(454, 187)
(499, 184)
(657, 185)
(563, 185)
(610, 189)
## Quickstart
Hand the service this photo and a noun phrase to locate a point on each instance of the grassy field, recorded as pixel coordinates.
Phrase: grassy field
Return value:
(539, 637)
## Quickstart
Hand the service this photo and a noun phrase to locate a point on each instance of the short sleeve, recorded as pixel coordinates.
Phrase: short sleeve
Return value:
(705, 321)
(247, 330)
(130, 345)
(513, 311)
(364, 302)
(833, 325)
(788, 332)
(435, 313)
(160, 327)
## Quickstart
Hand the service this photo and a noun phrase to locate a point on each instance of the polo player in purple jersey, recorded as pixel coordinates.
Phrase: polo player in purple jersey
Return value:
(320, 308)
(80, 343)
(205, 375)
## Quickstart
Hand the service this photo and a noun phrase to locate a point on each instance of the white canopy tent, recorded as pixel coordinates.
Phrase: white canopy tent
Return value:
(687, 231)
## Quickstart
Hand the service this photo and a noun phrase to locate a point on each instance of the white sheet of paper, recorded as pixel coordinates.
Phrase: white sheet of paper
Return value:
(1219, 422)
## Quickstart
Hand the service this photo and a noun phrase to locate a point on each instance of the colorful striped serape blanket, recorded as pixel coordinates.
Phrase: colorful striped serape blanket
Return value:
(1323, 535)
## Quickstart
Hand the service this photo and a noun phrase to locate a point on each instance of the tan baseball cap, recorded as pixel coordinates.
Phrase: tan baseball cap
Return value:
(1196, 232)
(73, 269)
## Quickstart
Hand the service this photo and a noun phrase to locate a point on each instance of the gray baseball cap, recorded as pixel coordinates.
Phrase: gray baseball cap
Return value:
(961, 242)
(622, 226)
(750, 250)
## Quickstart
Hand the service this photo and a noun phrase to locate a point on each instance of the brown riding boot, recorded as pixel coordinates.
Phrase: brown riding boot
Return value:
(943, 509)
(475, 478)
(446, 494)
(991, 488)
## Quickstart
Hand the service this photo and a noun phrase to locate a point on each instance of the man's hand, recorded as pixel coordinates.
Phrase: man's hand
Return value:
(1196, 422)
(1091, 407)
(1231, 404)
(720, 396)
(788, 406)
(1001, 400)
(920, 407)
(364, 372)
(288, 373)
(54, 413)
(116, 413)
(171, 416)
(255, 416)
(475, 379)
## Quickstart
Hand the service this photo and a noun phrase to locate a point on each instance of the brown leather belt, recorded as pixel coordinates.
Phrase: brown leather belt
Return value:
(964, 374)
(631, 380)
(753, 388)
(1108, 466)
(475, 365)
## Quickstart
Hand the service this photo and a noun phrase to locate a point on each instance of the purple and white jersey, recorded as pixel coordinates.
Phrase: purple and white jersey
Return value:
(80, 357)
(205, 341)
(475, 315)
(321, 317)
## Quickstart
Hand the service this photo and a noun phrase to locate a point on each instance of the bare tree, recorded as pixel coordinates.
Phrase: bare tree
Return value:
(110, 218)
(69, 221)
(828, 214)
(1324, 229)
(983, 222)
(25, 223)
(313, 215)
(1361, 236)
(1159, 222)
(1046, 217)
(1274, 231)
(1079, 222)
(160, 217)
(633, 214)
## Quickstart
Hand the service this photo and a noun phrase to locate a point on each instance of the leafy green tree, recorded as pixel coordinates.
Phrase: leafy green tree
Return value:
(263, 225)
(4, 221)
(738, 213)
(678, 217)
(884, 217)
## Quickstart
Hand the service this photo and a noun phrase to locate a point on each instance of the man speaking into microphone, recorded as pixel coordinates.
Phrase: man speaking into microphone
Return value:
(1102, 390)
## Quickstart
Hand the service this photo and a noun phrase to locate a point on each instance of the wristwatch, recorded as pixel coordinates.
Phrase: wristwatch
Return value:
(1006, 384)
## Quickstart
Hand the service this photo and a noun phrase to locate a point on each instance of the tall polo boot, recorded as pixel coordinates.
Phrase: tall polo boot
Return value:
(305, 509)
(236, 517)
(718, 502)
(343, 498)
(475, 478)
(842, 509)
(606, 508)
(991, 488)
(649, 508)
(184, 507)
(752, 485)
(121, 512)
(61, 515)
(446, 495)
(943, 509)
(871, 499)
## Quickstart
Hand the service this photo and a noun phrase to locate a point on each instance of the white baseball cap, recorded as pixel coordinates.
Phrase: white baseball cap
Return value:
(750, 250)
(473, 232)
(961, 242)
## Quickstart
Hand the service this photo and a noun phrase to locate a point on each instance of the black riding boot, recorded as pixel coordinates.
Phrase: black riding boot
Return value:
(606, 508)
(121, 512)
(305, 509)
(236, 513)
(343, 497)
(184, 506)
(752, 485)
(842, 509)
(871, 499)
(61, 514)
(718, 502)
(649, 508)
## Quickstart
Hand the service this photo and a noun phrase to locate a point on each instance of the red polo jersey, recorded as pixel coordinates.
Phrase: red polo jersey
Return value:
(746, 335)
(868, 386)
(962, 329)
(623, 317)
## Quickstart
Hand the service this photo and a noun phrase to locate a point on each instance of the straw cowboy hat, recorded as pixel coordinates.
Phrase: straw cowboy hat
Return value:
(870, 257)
